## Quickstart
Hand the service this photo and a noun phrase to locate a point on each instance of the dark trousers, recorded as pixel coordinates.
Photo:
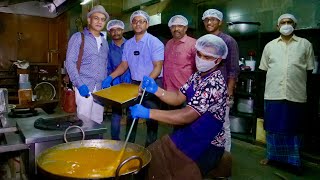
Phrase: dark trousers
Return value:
(149, 101)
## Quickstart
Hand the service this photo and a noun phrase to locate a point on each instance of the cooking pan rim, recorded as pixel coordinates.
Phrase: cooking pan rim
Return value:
(129, 144)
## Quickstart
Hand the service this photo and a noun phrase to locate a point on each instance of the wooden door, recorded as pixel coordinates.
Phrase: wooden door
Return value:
(8, 40)
(34, 43)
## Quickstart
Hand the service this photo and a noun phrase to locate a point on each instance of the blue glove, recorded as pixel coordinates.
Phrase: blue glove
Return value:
(127, 78)
(149, 84)
(138, 111)
(106, 82)
(84, 91)
(116, 81)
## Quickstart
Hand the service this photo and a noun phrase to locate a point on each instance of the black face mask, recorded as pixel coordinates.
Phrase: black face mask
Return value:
(136, 53)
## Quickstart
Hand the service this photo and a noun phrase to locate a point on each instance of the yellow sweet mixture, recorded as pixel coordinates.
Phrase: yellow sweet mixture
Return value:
(87, 162)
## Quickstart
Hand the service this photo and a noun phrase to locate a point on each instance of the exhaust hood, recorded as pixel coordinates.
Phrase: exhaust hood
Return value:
(162, 11)
(42, 8)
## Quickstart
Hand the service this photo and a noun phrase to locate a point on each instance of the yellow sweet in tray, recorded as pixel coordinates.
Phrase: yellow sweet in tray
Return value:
(120, 93)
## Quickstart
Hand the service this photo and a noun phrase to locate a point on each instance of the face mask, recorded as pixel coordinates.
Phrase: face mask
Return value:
(286, 29)
(203, 65)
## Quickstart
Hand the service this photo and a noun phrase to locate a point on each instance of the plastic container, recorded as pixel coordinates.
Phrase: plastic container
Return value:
(25, 96)
(3, 100)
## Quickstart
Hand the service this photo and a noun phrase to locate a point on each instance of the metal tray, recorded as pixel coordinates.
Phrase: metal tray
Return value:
(122, 95)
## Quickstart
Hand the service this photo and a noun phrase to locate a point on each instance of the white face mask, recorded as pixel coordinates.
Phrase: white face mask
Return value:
(203, 65)
(286, 29)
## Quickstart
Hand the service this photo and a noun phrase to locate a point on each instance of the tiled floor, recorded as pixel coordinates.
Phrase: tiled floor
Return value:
(246, 159)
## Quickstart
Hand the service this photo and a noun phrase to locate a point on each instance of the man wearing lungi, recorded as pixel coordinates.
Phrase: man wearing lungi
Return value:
(195, 149)
(287, 60)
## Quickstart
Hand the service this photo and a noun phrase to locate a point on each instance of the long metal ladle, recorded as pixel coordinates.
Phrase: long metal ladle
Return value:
(118, 160)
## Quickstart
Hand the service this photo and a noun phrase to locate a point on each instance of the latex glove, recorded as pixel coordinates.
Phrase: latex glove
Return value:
(106, 82)
(116, 81)
(84, 91)
(138, 111)
(149, 84)
(127, 78)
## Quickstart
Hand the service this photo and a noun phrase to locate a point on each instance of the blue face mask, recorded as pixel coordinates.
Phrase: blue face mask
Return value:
(204, 65)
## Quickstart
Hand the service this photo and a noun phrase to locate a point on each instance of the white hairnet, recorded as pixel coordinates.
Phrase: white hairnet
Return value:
(290, 16)
(178, 20)
(140, 13)
(212, 45)
(115, 24)
(212, 13)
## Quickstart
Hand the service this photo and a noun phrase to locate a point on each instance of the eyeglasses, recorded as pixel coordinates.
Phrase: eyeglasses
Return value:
(138, 21)
(206, 20)
(96, 18)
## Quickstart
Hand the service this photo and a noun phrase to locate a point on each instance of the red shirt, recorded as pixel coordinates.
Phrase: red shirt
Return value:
(179, 62)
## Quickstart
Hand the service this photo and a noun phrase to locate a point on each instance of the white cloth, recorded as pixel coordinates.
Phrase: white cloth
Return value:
(87, 109)
(227, 131)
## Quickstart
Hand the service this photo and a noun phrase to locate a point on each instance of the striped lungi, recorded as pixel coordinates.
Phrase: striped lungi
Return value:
(283, 123)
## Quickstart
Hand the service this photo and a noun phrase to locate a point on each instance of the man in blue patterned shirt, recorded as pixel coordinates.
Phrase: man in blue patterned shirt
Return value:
(93, 67)
(115, 30)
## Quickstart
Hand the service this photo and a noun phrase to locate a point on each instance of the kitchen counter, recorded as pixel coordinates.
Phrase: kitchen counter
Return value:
(27, 137)
(30, 134)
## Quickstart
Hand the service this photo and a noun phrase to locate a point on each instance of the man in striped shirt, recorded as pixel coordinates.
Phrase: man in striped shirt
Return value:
(93, 67)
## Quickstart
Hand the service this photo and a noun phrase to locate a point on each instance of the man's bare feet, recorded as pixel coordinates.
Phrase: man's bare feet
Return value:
(264, 161)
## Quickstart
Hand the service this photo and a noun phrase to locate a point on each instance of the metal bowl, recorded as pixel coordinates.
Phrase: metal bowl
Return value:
(45, 91)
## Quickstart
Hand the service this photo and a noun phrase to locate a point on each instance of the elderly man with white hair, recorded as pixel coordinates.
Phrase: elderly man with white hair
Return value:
(212, 19)
(143, 54)
(287, 61)
(115, 29)
(194, 150)
(179, 55)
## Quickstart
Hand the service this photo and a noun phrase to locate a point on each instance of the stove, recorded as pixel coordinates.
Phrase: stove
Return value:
(22, 113)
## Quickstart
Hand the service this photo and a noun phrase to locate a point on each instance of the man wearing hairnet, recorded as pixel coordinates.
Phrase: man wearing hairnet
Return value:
(194, 150)
(93, 68)
(115, 29)
(143, 54)
(212, 20)
(287, 61)
(179, 55)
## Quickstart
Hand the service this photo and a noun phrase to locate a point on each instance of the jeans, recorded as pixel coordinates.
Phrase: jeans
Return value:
(115, 123)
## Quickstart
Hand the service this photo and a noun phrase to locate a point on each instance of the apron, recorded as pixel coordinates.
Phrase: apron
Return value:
(87, 109)
(169, 163)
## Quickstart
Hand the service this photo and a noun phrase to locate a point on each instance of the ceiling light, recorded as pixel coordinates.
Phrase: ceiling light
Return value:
(85, 2)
